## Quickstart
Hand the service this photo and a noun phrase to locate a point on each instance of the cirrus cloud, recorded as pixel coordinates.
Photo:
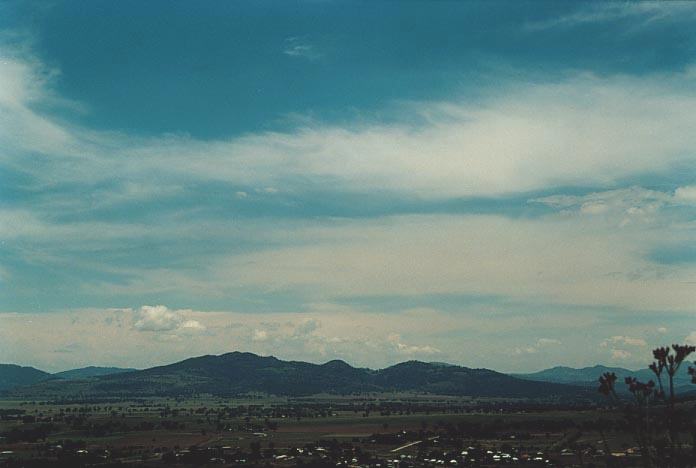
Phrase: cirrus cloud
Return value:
(581, 130)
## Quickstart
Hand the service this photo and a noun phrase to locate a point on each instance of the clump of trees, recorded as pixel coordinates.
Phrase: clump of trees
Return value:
(657, 417)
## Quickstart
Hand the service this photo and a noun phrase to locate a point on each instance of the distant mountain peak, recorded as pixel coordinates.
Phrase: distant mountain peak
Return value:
(337, 363)
(590, 375)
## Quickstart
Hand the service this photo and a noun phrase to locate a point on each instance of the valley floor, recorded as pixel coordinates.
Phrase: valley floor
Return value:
(388, 431)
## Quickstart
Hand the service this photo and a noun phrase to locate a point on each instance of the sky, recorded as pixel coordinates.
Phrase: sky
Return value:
(509, 185)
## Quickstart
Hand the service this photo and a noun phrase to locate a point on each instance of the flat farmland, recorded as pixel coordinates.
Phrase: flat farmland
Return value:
(248, 431)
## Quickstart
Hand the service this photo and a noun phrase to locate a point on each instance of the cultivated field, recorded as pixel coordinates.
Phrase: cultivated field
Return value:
(376, 430)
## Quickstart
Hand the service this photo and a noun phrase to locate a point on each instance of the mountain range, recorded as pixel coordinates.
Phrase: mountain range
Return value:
(12, 376)
(588, 376)
(239, 373)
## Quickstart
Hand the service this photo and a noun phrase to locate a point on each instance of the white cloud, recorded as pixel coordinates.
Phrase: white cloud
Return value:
(130, 192)
(547, 342)
(585, 131)
(536, 137)
(410, 350)
(267, 190)
(594, 208)
(446, 254)
(299, 47)
(540, 344)
(442, 254)
(506, 146)
(641, 14)
(581, 131)
(686, 194)
(630, 201)
(623, 340)
(620, 354)
(662, 330)
(160, 319)
(362, 337)
(301, 330)
(260, 335)
(24, 84)
(623, 205)
(191, 326)
(157, 318)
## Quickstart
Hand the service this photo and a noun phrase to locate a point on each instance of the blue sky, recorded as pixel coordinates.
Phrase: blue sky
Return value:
(494, 184)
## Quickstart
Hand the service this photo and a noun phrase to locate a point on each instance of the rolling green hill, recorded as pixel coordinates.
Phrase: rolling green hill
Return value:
(238, 373)
(12, 376)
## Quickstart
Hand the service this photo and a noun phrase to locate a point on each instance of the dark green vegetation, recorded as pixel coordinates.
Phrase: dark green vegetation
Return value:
(242, 373)
(91, 371)
(12, 376)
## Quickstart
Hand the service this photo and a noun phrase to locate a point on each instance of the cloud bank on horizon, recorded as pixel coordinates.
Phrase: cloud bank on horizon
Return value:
(489, 184)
